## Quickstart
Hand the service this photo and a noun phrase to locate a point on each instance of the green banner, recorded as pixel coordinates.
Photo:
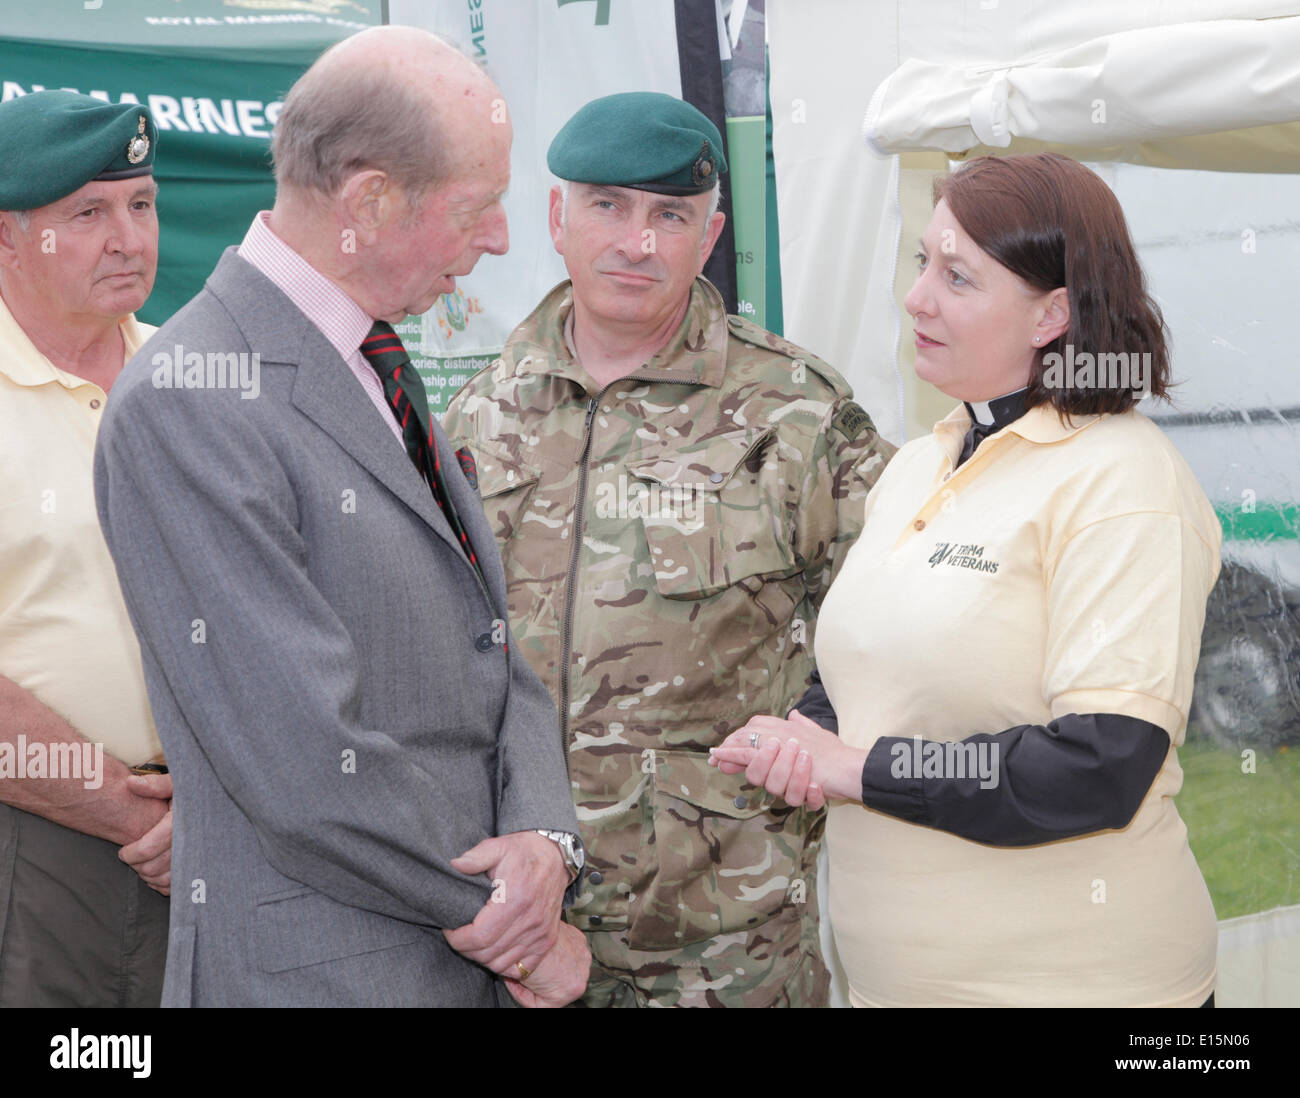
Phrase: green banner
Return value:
(212, 74)
(747, 153)
(1264, 522)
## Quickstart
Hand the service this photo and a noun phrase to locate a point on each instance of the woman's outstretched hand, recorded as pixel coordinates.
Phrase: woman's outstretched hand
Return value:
(796, 759)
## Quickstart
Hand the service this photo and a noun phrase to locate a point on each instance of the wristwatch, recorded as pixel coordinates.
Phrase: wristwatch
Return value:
(575, 859)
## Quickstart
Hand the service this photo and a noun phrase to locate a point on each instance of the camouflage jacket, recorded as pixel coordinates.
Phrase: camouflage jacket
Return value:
(667, 540)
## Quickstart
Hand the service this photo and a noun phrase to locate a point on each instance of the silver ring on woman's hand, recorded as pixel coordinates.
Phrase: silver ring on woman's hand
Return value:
(753, 739)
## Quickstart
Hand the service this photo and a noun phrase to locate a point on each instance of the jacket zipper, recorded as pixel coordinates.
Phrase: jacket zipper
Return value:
(566, 654)
(579, 516)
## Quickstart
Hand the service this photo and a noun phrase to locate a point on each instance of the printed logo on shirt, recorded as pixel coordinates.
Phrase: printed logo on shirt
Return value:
(954, 555)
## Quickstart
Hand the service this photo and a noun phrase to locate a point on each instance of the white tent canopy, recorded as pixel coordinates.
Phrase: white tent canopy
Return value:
(1102, 96)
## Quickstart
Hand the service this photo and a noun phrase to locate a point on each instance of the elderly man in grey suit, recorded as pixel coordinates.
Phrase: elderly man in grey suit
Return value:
(371, 804)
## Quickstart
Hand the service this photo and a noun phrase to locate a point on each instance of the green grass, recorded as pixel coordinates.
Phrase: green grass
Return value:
(1243, 828)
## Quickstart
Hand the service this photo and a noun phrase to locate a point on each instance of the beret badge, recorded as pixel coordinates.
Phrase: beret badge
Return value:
(138, 147)
(702, 169)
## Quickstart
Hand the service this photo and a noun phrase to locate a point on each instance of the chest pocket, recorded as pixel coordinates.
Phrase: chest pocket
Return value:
(505, 484)
(710, 518)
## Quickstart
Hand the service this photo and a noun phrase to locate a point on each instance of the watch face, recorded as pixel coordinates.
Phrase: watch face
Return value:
(570, 846)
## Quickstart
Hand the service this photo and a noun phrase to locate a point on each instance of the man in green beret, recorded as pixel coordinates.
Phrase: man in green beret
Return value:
(673, 490)
(85, 842)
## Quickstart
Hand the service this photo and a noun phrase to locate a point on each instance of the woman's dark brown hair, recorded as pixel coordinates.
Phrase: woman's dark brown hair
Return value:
(1054, 223)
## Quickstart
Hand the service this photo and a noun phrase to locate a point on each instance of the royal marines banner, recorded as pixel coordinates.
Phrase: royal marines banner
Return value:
(213, 74)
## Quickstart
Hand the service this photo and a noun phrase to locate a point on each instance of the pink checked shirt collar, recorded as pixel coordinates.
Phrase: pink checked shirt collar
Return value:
(340, 319)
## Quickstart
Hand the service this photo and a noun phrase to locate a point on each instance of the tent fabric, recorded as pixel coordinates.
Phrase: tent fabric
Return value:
(837, 205)
(1114, 90)
(1259, 959)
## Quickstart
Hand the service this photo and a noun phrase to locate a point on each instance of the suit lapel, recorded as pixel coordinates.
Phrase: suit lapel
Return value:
(324, 390)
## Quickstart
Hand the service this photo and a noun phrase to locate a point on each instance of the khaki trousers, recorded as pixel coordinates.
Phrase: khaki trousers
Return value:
(78, 927)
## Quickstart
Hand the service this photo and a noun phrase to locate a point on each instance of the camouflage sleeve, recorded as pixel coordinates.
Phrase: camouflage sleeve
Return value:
(458, 426)
(461, 429)
(847, 459)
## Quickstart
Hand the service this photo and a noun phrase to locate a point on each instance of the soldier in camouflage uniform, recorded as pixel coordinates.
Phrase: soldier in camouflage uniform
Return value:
(668, 531)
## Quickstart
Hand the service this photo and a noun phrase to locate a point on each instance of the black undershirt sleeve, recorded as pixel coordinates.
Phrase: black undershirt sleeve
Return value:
(816, 706)
(1029, 784)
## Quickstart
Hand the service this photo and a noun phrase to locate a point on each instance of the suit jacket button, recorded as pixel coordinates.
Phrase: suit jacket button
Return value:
(483, 642)
(595, 877)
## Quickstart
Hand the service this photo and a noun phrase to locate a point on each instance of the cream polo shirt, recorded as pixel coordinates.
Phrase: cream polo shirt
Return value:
(1061, 569)
(64, 630)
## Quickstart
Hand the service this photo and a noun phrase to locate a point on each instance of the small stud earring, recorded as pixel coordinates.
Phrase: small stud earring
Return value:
(1035, 340)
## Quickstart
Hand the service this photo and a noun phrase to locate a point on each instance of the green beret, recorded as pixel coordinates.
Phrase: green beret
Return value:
(58, 141)
(646, 140)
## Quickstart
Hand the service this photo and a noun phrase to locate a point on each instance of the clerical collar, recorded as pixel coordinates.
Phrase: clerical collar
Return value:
(993, 415)
(987, 417)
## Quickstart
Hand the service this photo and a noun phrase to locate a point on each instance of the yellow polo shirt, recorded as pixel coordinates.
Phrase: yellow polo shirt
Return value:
(64, 630)
(1062, 569)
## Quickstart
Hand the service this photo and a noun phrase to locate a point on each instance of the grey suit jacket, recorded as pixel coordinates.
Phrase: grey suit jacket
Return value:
(320, 662)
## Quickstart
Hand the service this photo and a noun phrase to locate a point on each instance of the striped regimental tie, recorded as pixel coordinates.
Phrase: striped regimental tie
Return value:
(406, 396)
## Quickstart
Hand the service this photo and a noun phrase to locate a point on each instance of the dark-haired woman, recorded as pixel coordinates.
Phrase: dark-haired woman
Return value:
(1009, 648)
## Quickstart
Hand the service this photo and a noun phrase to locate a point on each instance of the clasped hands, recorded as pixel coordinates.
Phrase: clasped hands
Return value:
(150, 852)
(520, 925)
(795, 759)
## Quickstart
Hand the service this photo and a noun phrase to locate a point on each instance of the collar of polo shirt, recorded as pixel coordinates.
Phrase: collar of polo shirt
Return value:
(1040, 424)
